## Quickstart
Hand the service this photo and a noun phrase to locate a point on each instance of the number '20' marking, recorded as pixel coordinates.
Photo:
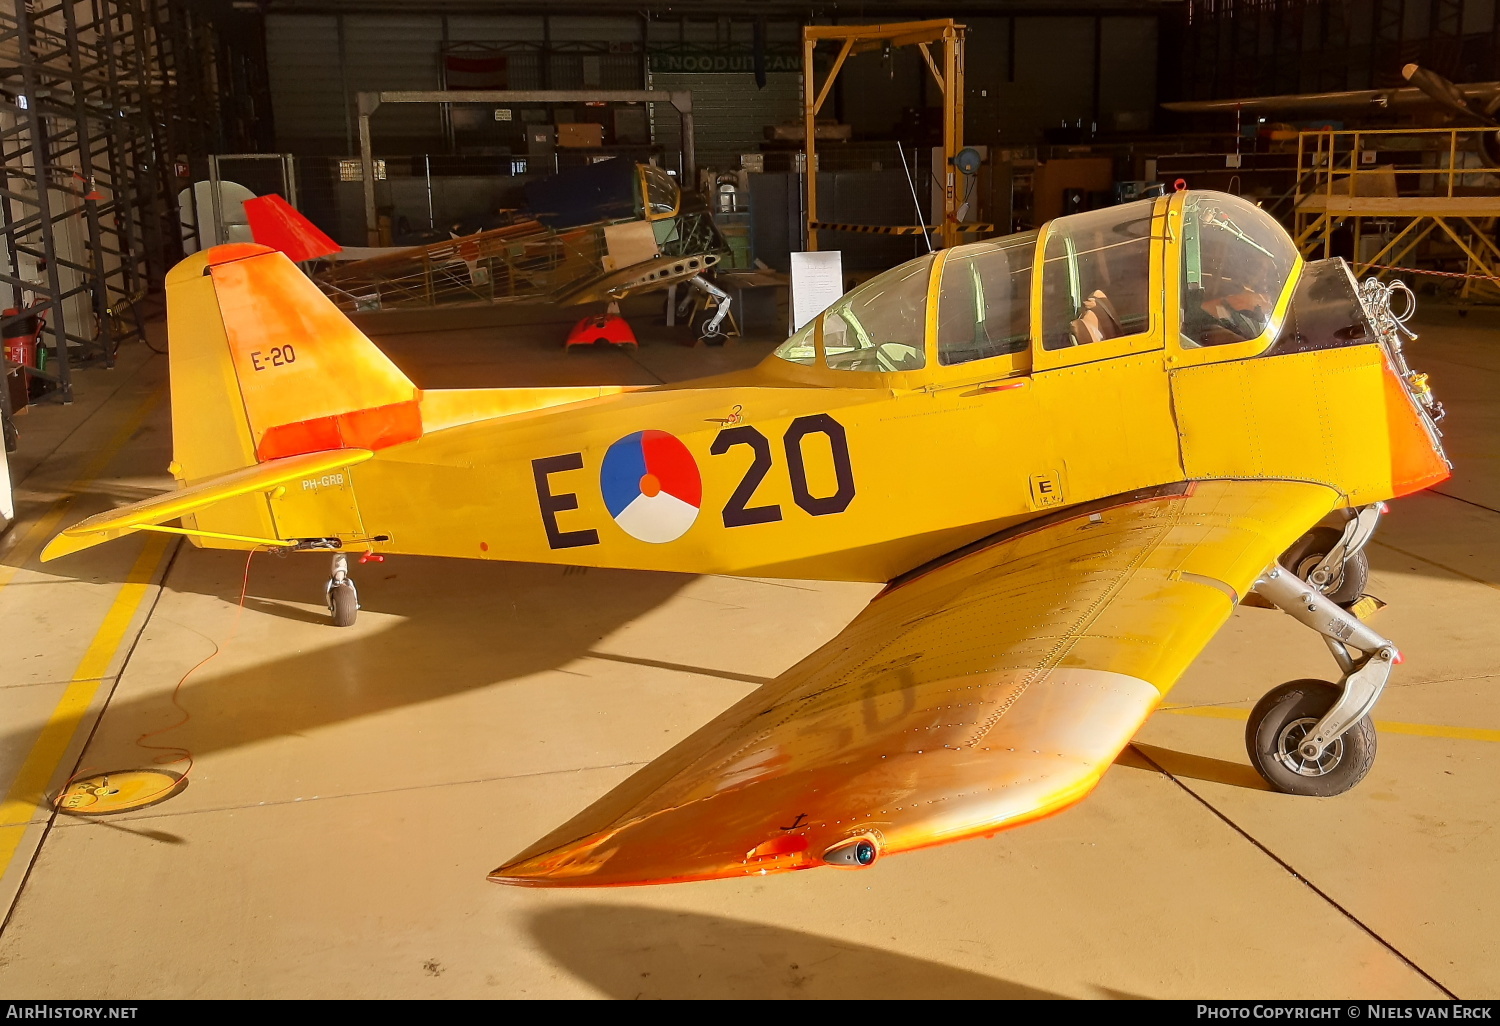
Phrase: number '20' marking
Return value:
(739, 513)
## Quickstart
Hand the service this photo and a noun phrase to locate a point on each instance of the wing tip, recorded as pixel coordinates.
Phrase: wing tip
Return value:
(71, 540)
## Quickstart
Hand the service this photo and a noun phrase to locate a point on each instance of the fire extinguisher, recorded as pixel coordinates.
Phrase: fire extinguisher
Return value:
(21, 335)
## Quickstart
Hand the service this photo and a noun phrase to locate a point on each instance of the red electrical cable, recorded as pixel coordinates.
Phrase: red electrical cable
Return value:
(176, 753)
(186, 754)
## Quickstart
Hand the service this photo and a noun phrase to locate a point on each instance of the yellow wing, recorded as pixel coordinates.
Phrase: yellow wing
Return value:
(262, 477)
(983, 692)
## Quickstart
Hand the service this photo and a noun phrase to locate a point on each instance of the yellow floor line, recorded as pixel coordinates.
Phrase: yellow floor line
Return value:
(28, 792)
(1219, 712)
(31, 541)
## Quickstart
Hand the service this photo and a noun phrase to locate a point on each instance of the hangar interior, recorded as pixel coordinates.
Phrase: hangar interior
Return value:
(222, 782)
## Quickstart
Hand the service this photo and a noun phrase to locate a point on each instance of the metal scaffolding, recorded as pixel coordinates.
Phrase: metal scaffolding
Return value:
(107, 109)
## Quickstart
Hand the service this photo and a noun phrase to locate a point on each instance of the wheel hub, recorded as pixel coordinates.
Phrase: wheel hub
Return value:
(1289, 750)
(1323, 580)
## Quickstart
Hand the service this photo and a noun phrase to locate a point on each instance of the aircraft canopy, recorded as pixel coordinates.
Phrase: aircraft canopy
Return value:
(1096, 284)
(1236, 260)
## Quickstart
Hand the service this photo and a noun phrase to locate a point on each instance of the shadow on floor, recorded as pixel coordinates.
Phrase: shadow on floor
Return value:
(1188, 766)
(630, 951)
(453, 626)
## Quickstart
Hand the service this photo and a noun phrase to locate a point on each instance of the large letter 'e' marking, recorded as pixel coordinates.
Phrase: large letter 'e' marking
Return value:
(838, 442)
(551, 504)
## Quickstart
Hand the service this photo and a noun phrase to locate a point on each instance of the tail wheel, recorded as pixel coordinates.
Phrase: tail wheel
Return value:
(1308, 551)
(1278, 724)
(343, 603)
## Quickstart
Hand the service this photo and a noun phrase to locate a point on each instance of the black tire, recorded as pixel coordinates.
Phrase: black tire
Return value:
(343, 603)
(1308, 551)
(1278, 723)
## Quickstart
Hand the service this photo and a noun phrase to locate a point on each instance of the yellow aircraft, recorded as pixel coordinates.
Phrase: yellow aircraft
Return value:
(1070, 453)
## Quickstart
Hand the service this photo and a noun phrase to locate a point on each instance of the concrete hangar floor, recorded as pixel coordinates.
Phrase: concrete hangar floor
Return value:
(351, 788)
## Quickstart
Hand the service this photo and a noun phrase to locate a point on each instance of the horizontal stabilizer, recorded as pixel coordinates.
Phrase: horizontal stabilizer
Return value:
(262, 477)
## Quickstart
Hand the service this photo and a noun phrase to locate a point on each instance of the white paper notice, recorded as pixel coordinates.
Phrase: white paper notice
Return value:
(7, 504)
(817, 281)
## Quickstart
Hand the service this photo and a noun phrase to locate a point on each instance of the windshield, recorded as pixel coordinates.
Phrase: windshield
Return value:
(1235, 261)
(880, 326)
(661, 192)
(800, 348)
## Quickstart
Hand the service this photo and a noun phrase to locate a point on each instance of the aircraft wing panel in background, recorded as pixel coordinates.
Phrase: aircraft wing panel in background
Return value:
(984, 692)
(647, 276)
(1350, 100)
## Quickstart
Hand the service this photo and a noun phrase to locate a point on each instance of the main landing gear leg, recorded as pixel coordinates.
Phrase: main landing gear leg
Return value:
(343, 600)
(1332, 559)
(1308, 736)
(711, 330)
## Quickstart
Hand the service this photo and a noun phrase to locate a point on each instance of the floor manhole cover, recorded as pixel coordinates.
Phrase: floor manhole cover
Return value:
(120, 791)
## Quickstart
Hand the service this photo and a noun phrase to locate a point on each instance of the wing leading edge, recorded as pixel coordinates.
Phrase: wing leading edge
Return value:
(982, 693)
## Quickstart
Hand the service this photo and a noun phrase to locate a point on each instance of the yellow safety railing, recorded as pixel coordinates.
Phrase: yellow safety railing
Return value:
(1440, 182)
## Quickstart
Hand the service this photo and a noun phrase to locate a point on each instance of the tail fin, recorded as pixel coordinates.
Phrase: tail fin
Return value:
(276, 223)
(265, 366)
(270, 383)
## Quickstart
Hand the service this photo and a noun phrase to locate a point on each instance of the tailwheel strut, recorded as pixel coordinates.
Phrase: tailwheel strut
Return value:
(342, 598)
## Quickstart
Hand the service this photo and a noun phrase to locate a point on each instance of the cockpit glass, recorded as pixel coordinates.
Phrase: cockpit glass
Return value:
(879, 326)
(985, 309)
(1235, 261)
(802, 346)
(1096, 276)
(661, 191)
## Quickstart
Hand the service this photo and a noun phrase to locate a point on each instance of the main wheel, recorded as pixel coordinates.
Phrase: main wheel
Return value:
(343, 603)
(718, 336)
(1308, 551)
(1283, 718)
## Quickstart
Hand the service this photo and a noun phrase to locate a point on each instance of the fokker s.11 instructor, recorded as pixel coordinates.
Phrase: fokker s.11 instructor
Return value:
(1069, 453)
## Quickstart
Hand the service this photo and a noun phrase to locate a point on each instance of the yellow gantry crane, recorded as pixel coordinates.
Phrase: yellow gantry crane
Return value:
(949, 75)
